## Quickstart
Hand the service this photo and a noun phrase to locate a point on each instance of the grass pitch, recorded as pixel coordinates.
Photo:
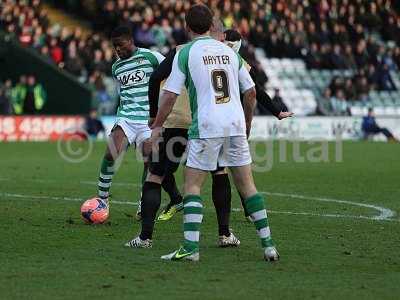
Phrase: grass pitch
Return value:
(332, 223)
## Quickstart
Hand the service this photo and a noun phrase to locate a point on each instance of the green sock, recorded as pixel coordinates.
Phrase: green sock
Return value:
(192, 217)
(105, 179)
(255, 207)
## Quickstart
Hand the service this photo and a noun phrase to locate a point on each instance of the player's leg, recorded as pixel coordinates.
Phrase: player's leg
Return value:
(202, 158)
(117, 144)
(254, 203)
(145, 148)
(246, 213)
(151, 196)
(222, 198)
(192, 216)
(236, 155)
(175, 141)
(151, 200)
(141, 138)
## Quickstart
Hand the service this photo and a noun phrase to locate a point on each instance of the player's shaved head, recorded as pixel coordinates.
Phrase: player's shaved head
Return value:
(199, 19)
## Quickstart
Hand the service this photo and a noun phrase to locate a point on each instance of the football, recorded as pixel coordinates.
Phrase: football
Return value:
(94, 211)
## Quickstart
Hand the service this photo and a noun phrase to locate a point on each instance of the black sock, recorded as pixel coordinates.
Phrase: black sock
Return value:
(246, 213)
(221, 195)
(151, 200)
(169, 186)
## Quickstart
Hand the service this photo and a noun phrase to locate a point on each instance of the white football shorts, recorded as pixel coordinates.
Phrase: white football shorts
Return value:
(208, 154)
(136, 133)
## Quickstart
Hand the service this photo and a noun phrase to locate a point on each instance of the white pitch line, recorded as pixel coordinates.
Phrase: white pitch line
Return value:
(73, 199)
(114, 183)
(55, 198)
(385, 213)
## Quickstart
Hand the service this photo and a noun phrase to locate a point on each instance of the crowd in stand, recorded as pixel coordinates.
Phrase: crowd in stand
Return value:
(89, 58)
(363, 36)
(27, 96)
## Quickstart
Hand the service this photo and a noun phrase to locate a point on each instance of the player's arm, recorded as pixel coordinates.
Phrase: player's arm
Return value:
(265, 100)
(171, 90)
(160, 74)
(249, 104)
(247, 88)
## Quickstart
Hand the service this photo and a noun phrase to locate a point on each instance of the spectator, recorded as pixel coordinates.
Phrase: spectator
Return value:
(348, 58)
(55, 51)
(35, 97)
(102, 99)
(337, 59)
(339, 105)
(385, 82)
(324, 104)
(144, 36)
(5, 98)
(93, 125)
(313, 57)
(349, 89)
(98, 63)
(73, 63)
(362, 88)
(370, 127)
(18, 95)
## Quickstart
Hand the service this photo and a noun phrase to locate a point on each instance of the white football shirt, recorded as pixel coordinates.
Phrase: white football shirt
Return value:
(214, 76)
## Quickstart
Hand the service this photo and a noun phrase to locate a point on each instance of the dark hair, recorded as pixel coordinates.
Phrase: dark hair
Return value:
(122, 31)
(232, 35)
(199, 18)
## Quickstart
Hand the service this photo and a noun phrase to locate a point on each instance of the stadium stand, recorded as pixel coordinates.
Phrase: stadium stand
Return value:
(329, 57)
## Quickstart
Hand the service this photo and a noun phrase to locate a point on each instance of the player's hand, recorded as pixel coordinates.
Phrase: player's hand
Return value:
(285, 114)
(151, 121)
(248, 129)
(156, 134)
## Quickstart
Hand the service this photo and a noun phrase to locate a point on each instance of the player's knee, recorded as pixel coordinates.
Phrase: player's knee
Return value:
(192, 189)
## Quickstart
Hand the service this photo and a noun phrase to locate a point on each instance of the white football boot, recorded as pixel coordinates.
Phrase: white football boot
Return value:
(228, 241)
(271, 254)
(137, 242)
(182, 254)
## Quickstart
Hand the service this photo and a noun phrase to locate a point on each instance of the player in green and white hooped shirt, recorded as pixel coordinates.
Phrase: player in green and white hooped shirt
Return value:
(132, 70)
(214, 76)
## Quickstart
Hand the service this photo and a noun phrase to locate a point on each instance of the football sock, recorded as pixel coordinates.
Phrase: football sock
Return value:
(255, 207)
(151, 200)
(246, 213)
(105, 179)
(221, 196)
(169, 186)
(192, 217)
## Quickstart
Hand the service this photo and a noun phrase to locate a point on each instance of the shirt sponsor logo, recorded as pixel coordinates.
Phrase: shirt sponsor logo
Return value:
(132, 78)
